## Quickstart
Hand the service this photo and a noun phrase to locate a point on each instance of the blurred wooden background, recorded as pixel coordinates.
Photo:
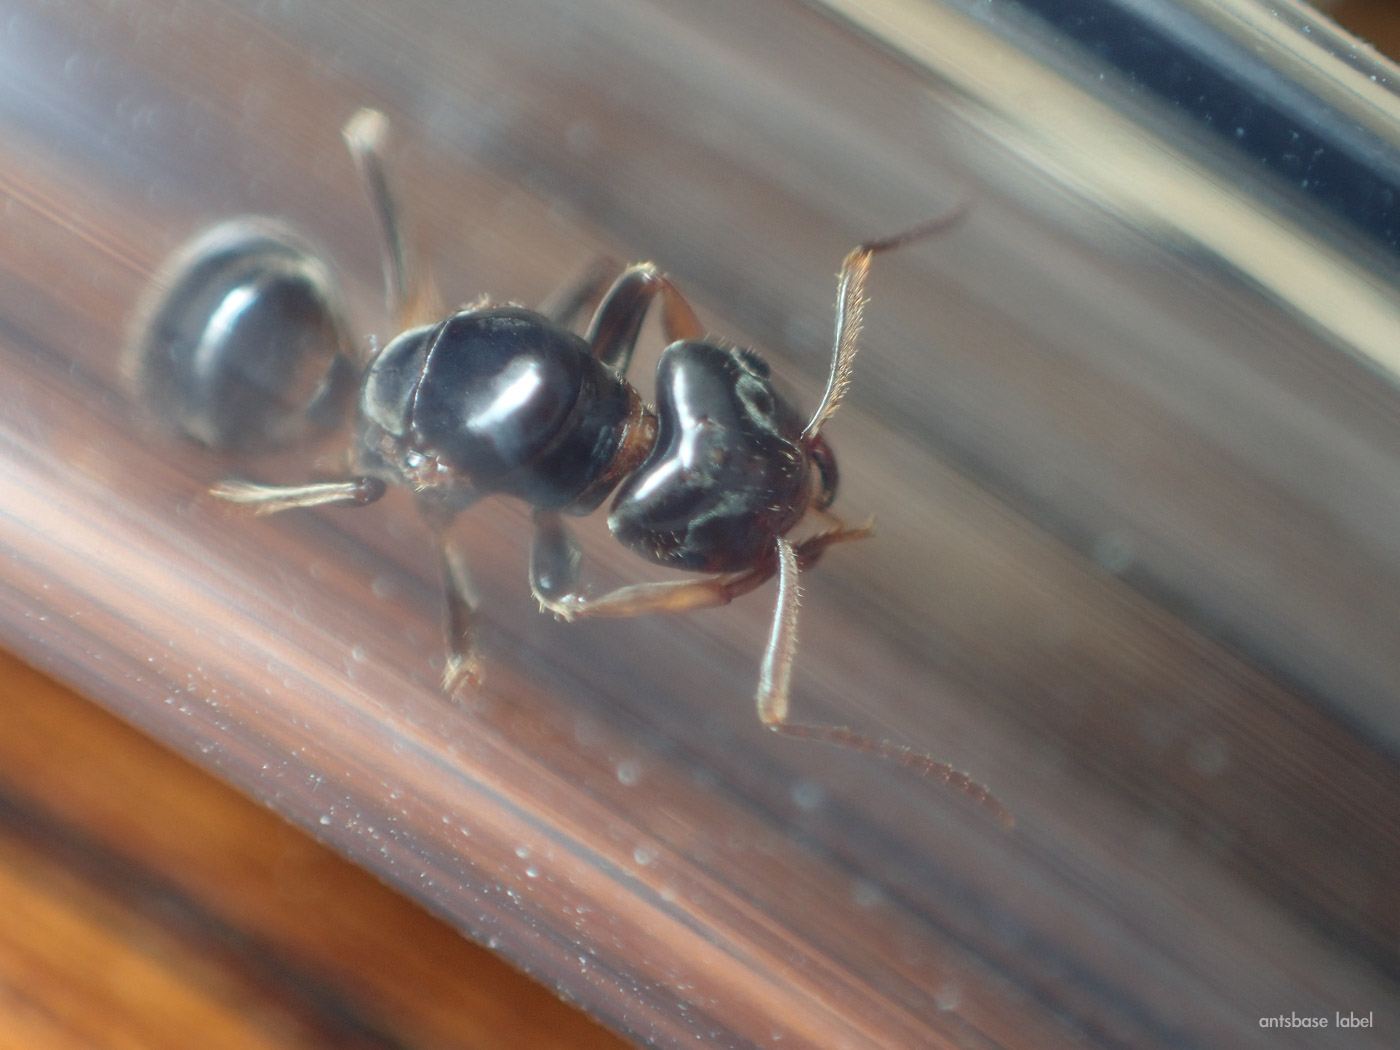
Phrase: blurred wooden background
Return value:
(147, 905)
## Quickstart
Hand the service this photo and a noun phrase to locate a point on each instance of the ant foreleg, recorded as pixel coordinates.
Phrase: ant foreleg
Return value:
(775, 678)
(554, 562)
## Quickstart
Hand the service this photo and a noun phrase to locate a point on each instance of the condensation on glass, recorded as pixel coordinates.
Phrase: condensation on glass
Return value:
(1129, 435)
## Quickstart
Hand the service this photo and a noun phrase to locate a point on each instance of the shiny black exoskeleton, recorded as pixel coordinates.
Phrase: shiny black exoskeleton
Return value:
(494, 401)
(500, 400)
(243, 343)
(728, 473)
(720, 477)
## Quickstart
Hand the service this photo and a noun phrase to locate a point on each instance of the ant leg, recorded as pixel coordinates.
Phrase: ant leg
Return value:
(460, 622)
(775, 677)
(613, 333)
(410, 297)
(410, 292)
(564, 306)
(850, 310)
(667, 596)
(554, 562)
(554, 573)
(270, 499)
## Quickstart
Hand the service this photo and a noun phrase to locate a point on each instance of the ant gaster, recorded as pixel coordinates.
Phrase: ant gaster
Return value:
(503, 400)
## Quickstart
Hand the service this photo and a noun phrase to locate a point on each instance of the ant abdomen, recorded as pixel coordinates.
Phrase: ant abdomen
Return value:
(242, 344)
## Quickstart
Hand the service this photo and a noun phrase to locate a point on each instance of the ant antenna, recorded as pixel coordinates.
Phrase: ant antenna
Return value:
(850, 309)
(775, 676)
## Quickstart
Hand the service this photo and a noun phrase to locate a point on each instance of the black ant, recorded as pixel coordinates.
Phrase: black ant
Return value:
(504, 400)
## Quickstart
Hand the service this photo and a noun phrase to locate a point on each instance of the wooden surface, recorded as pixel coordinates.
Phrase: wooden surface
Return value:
(1374, 21)
(147, 905)
(1129, 434)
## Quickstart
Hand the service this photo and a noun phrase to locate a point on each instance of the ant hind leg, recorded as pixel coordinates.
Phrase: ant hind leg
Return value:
(554, 564)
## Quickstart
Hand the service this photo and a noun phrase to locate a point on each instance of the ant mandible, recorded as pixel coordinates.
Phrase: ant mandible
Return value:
(503, 400)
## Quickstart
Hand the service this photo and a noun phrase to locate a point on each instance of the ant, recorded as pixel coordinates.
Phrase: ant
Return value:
(503, 400)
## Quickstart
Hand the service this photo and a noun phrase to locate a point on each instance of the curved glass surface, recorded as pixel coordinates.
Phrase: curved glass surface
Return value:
(1129, 434)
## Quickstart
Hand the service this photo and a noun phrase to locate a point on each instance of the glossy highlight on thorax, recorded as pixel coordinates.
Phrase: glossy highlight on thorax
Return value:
(494, 400)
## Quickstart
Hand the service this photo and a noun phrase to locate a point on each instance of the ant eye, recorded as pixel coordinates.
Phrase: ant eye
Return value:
(752, 362)
(757, 397)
